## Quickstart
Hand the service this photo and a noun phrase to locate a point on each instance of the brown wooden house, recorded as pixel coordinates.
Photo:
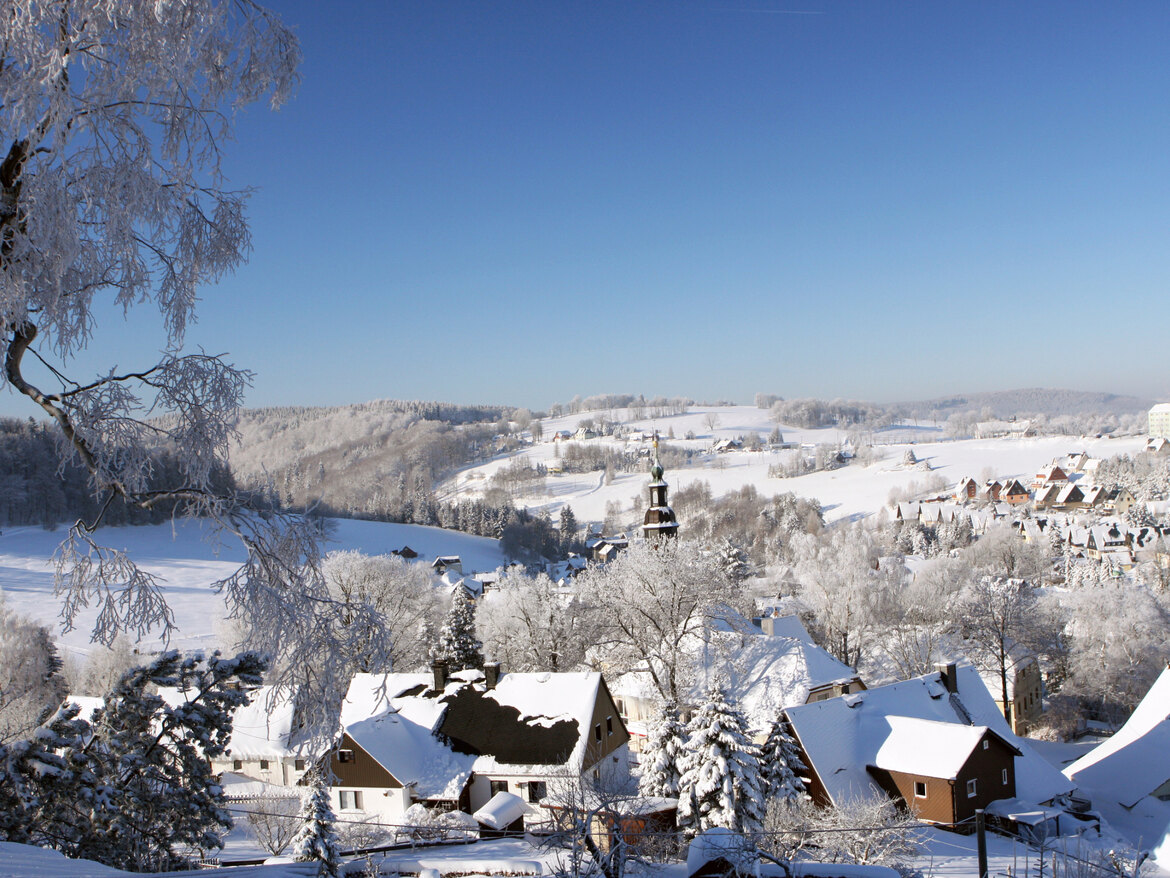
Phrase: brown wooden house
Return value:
(937, 744)
(944, 771)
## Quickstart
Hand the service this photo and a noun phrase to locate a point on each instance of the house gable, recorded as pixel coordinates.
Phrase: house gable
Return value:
(363, 770)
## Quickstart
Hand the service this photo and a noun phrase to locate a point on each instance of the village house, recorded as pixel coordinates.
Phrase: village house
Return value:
(937, 744)
(1050, 475)
(766, 663)
(452, 742)
(1025, 690)
(1014, 493)
(967, 490)
(1159, 447)
(1119, 501)
(266, 744)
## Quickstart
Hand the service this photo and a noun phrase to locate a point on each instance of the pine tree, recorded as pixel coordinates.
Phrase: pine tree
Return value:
(458, 645)
(568, 529)
(720, 783)
(664, 749)
(734, 561)
(779, 763)
(134, 788)
(317, 840)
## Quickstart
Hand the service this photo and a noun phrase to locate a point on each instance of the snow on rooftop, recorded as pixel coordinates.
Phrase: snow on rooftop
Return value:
(842, 736)
(263, 728)
(1121, 772)
(927, 747)
(398, 732)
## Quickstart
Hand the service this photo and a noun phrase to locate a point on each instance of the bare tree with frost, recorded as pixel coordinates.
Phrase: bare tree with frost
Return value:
(114, 114)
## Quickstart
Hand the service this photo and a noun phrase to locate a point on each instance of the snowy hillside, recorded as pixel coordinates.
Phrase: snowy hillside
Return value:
(850, 492)
(182, 557)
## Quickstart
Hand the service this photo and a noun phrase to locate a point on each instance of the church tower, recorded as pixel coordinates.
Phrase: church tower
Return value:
(659, 520)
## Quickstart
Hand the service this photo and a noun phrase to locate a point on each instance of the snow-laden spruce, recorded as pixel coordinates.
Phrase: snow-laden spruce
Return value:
(458, 646)
(317, 840)
(133, 787)
(779, 763)
(720, 783)
(662, 754)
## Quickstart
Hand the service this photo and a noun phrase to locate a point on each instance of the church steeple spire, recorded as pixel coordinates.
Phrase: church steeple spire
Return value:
(659, 520)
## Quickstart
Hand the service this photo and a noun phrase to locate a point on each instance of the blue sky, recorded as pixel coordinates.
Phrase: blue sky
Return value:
(515, 202)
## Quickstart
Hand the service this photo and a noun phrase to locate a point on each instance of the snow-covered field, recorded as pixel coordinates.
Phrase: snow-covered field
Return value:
(851, 492)
(188, 564)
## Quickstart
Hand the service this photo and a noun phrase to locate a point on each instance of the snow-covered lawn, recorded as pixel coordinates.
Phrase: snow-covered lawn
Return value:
(188, 564)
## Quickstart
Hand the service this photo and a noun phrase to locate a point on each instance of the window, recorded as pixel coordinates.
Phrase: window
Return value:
(620, 704)
(263, 764)
(345, 756)
(971, 791)
(919, 789)
(608, 725)
(1005, 777)
(237, 764)
(299, 764)
(351, 800)
(537, 790)
(986, 744)
(597, 733)
(498, 786)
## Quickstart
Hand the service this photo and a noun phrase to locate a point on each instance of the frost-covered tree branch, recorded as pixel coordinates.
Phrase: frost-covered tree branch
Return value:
(113, 117)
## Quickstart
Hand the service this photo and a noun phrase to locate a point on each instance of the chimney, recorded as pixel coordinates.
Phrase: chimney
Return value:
(840, 689)
(439, 668)
(768, 625)
(491, 674)
(950, 676)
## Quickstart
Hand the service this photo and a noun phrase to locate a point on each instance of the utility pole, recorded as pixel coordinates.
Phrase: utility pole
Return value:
(981, 841)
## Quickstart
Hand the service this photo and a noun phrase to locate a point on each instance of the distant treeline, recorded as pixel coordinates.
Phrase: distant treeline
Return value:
(42, 485)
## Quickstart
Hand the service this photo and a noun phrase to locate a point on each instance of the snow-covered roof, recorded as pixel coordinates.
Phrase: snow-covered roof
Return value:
(435, 740)
(398, 731)
(762, 673)
(927, 747)
(263, 728)
(1136, 760)
(1121, 772)
(842, 736)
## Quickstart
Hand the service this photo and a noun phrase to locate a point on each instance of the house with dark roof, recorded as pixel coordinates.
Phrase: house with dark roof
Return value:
(937, 743)
(1014, 493)
(451, 742)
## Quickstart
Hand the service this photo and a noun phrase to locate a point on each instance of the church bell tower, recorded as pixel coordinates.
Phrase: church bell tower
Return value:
(659, 520)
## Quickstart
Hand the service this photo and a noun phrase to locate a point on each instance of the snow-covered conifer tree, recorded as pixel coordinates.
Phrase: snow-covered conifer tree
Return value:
(317, 840)
(664, 749)
(779, 763)
(458, 645)
(133, 788)
(720, 783)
